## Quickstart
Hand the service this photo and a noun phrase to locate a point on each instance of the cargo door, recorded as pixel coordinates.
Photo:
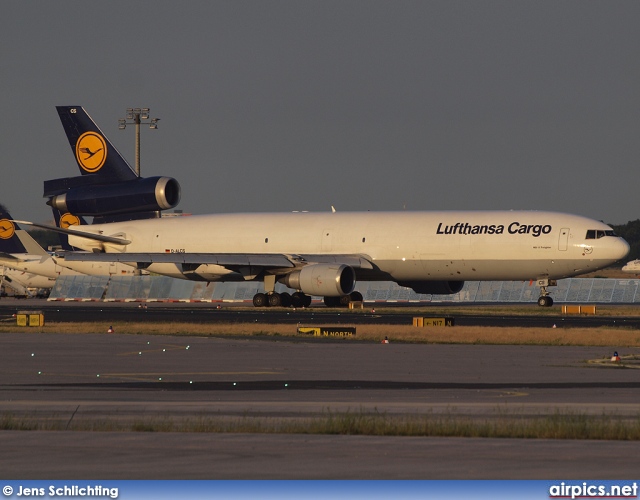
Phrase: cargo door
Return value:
(563, 241)
(327, 240)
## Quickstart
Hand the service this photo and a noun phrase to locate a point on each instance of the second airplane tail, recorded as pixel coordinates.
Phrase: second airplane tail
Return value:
(64, 221)
(14, 240)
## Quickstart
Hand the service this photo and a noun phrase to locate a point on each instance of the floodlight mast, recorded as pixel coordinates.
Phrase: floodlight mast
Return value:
(136, 116)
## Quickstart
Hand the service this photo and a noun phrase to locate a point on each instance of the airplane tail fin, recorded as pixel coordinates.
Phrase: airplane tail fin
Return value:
(107, 187)
(16, 240)
(64, 221)
(93, 152)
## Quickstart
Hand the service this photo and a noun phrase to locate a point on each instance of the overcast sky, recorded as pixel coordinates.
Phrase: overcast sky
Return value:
(363, 105)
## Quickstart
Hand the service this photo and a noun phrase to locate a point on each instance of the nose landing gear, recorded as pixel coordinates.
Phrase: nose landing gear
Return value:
(545, 299)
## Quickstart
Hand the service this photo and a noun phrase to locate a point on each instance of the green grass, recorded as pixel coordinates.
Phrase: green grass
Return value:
(560, 425)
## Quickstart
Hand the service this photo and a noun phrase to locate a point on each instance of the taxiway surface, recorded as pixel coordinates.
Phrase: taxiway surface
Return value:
(80, 378)
(185, 312)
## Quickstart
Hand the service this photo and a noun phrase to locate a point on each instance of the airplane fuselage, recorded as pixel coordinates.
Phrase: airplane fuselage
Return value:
(402, 246)
(22, 280)
(41, 265)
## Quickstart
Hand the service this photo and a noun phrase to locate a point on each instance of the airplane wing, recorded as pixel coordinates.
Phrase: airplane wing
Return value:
(227, 260)
(7, 257)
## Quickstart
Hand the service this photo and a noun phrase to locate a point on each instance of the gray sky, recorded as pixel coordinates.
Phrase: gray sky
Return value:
(364, 105)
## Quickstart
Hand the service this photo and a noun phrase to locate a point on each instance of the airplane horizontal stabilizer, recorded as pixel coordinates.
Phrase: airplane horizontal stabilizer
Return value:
(91, 236)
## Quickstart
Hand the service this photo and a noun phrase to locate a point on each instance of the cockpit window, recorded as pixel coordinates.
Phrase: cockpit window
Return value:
(595, 234)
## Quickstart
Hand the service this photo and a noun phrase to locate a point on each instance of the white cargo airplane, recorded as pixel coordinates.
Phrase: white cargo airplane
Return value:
(632, 266)
(24, 283)
(27, 263)
(321, 254)
(325, 253)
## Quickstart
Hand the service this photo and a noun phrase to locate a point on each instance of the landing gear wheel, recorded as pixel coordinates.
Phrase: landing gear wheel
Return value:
(356, 297)
(545, 301)
(344, 300)
(332, 301)
(285, 299)
(274, 300)
(307, 300)
(260, 300)
(297, 299)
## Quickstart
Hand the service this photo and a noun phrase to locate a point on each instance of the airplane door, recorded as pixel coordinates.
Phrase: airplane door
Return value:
(326, 241)
(563, 241)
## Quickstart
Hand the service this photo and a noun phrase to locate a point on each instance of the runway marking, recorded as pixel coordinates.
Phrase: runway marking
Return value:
(630, 361)
(163, 347)
(155, 376)
(514, 394)
(144, 376)
(187, 373)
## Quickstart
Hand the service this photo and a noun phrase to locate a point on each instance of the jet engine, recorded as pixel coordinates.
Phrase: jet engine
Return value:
(434, 287)
(328, 280)
(139, 195)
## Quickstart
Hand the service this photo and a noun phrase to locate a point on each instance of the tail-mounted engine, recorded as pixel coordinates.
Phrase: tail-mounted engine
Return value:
(138, 195)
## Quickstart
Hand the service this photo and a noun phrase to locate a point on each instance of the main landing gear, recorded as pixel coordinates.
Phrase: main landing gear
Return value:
(284, 299)
(344, 300)
(300, 299)
(545, 299)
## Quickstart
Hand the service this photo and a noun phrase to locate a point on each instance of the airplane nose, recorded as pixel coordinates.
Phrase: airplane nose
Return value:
(621, 249)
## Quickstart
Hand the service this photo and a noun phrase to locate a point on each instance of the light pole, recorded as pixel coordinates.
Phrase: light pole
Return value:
(136, 117)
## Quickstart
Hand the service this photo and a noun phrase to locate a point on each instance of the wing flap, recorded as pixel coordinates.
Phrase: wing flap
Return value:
(228, 260)
(355, 261)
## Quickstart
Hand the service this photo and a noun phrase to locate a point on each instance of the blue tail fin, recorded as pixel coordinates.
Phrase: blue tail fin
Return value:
(13, 239)
(64, 221)
(93, 152)
(9, 241)
(108, 188)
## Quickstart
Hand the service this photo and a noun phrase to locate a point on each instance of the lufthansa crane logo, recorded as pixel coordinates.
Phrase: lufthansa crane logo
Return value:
(69, 219)
(91, 151)
(7, 229)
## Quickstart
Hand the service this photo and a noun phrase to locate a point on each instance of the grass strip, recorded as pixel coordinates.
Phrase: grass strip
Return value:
(560, 425)
(604, 336)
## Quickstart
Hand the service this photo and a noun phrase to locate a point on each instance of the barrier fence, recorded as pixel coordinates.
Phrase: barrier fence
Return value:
(162, 288)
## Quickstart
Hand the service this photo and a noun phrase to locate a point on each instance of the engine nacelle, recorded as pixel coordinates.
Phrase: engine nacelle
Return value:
(434, 287)
(139, 195)
(327, 280)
